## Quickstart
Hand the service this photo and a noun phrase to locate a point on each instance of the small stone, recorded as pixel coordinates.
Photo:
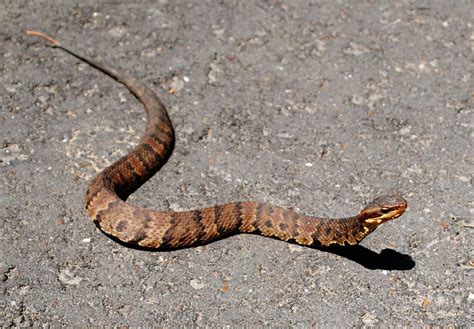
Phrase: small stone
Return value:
(225, 287)
(357, 99)
(175, 85)
(369, 319)
(42, 99)
(218, 32)
(375, 97)
(405, 130)
(49, 110)
(122, 97)
(425, 303)
(10, 89)
(398, 68)
(196, 284)
(285, 135)
(188, 130)
(469, 222)
(357, 188)
(67, 277)
(214, 72)
(117, 31)
(383, 73)
(294, 192)
(466, 77)
(295, 248)
(463, 179)
(355, 49)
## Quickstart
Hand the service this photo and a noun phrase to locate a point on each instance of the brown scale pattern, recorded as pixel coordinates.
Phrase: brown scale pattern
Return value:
(106, 195)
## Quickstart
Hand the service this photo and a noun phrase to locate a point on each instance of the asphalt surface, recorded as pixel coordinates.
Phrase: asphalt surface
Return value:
(320, 106)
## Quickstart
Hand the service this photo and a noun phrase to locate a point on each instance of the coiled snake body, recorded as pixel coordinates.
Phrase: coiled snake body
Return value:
(106, 195)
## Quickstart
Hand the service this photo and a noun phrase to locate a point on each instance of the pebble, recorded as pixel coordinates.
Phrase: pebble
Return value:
(463, 179)
(357, 100)
(405, 130)
(218, 32)
(355, 49)
(212, 76)
(67, 277)
(196, 284)
(117, 31)
(175, 85)
(369, 319)
(295, 248)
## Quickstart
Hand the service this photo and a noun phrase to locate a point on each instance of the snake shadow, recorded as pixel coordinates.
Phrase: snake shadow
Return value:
(387, 259)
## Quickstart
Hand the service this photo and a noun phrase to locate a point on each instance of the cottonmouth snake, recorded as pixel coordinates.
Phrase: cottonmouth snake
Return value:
(108, 191)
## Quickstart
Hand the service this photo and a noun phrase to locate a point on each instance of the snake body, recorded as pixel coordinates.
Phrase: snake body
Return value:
(107, 193)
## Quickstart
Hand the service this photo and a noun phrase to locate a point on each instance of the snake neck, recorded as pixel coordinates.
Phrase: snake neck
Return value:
(335, 231)
(285, 224)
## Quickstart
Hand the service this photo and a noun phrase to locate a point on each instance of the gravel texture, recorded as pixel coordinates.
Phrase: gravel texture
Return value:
(320, 106)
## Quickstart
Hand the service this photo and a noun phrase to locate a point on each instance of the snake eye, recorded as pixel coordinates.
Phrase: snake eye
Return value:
(384, 210)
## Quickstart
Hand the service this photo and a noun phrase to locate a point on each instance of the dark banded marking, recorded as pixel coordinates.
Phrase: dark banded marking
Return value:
(240, 219)
(158, 148)
(130, 183)
(136, 176)
(168, 236)
(137, 164)
(153, 158)
(258, 217)
(121, 226)
(155, 136)
(197, 217)
(145, 172)
(162, 137)
(290, 218)
(148, 165)
(248, 212)
(226, 219)
(218, 220)
(318, 231)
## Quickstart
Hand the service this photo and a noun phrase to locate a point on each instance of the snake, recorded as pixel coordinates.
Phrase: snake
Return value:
(106, 196)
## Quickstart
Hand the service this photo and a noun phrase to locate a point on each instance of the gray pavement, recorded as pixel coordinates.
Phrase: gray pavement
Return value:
(320, 106)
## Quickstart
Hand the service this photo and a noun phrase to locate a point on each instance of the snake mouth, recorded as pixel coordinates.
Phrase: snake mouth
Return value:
(382, 218)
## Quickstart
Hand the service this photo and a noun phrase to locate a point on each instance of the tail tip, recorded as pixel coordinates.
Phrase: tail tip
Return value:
(54, 42)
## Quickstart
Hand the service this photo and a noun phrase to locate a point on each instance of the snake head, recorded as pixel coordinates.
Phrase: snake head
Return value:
(381, 210)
